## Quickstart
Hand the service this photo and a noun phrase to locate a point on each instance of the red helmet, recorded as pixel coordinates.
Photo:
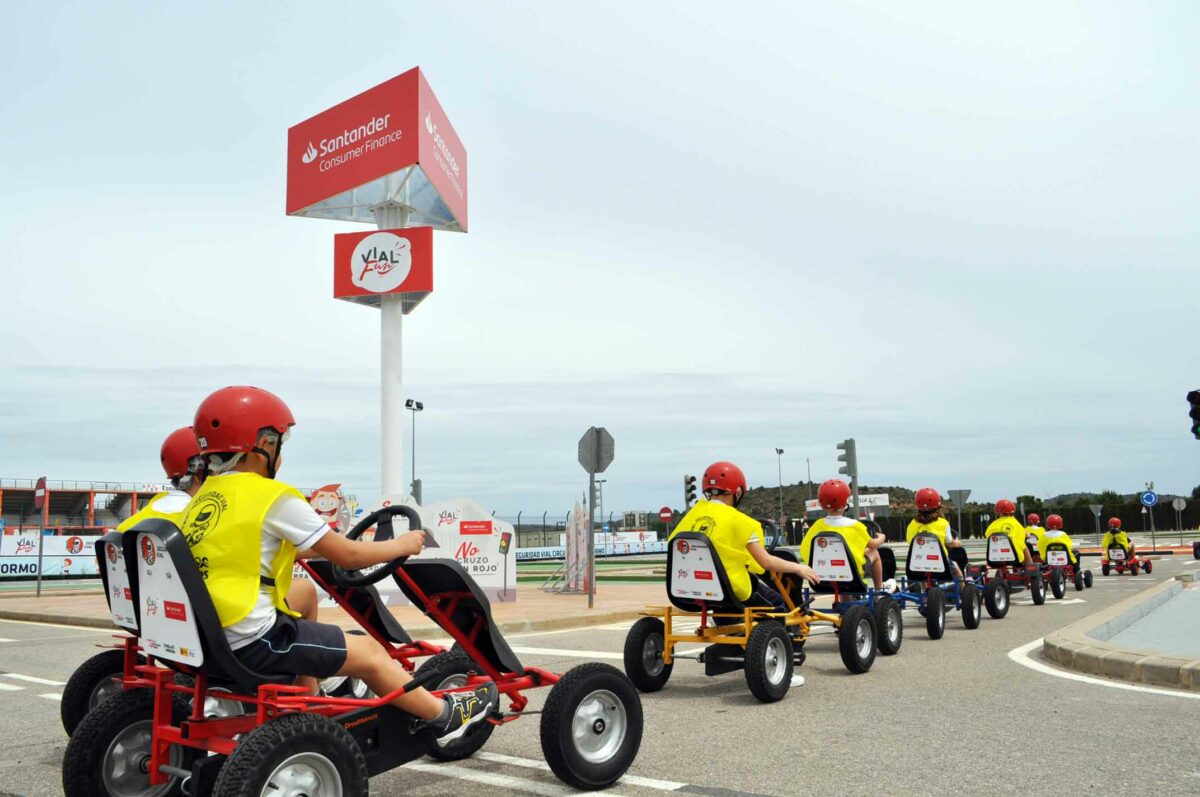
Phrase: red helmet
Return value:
(1003, 506)
(1034, 519)
(833, 495)
(928, 498)
(724, 477)
(1114, 522)
(1054, 522)
(177, 452)
(230, 419)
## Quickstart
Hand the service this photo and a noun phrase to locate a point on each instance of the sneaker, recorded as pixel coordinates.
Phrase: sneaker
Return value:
(890, 586)
(467, 709)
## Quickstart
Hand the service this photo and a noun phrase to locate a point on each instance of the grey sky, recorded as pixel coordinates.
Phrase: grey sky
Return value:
(964, 235)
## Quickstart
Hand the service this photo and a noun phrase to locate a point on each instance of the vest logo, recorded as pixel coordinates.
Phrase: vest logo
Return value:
(381, 262)
(202, 518)
(310, 154)
(148, 552)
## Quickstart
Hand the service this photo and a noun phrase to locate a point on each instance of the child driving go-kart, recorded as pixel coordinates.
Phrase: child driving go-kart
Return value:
(834, 497)
(1061, 558)
(1119, 552)
(1009, 526)
(1033, 531)
(245, 531)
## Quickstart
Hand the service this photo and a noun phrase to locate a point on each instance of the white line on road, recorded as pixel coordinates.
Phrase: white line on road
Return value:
(627, 780)
(62, 625)
(10, 687)
(16, 676)
(1021, 656)
(494, 780)
(7, 640)
(571, 654)
(1067, 602)
(51, 696)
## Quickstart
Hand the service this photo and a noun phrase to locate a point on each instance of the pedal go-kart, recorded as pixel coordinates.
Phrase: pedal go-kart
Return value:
(1011, 574)
(1059, 570)
(765, 643)
(154, 737)
(1117, 560)
(929, 584)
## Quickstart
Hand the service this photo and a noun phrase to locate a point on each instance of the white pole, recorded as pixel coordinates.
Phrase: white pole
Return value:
(391, 395)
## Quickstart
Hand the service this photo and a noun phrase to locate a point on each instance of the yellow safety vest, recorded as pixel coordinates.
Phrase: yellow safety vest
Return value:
(730, 531)
(1120, 538)
(224, 528)
(1007, 524)
(147, 512)
(856, 536)
(936, 528)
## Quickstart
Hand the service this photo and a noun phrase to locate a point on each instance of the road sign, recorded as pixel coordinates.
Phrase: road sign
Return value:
(665, 514)
(1149, 498)
(1179, 504)
(596, 449)
(1096, 508)
(959, 497)
(39, 493)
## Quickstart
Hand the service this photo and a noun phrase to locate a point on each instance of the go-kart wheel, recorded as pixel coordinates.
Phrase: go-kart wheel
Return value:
(1133, 568)
(972, 605)
(381, 519)
(856, 639)
(769, 661)
(1104, 568)
(107, 754)
(591, 726)
(295, 754)
(996, 598)
(95, 681)
(1149, 567)
(889, 621)
(644, 655)
(1037, 589)
(1079, 581)
(453, 668)
(1058, 582)
(935, 613)
(1196, 549)
(1087, 578)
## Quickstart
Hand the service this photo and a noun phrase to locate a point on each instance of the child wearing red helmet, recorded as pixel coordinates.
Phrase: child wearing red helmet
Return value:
(834, 496)
(1115, 536)
(1008, 525)
(1054, 534)
(246, 529)
(184, 466)
(930, 520)
(1033, 531)
(738, 538)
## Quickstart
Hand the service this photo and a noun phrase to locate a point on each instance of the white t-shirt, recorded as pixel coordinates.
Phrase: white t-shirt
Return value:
(292, 519)
(171, 502)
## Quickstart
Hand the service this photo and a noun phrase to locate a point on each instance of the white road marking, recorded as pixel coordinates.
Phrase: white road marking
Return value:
(571, 654)
(494, 780)
(7, 640)
(10, 687)
(628, 780)
(84, 628)
(51, 696)
(16, 676)
(1051, 602)
(1021, 656)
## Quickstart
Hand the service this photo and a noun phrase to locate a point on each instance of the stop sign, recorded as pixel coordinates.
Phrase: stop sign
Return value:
(665, 514)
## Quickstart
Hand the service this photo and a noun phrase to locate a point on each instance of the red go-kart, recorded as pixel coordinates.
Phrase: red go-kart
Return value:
(1117, 559)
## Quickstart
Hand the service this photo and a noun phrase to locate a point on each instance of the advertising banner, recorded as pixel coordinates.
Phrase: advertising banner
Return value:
(876, 500)
(61, 555)
(367, 265)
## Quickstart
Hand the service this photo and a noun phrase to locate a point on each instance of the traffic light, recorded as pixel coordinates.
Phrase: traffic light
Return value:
(689, 490)
(848, 458)
(1194, 399)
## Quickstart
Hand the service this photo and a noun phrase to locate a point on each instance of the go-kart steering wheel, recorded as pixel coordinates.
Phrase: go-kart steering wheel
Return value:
(382, 520)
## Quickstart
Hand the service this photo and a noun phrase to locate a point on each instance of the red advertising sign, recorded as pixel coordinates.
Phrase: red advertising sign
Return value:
(174, 611)
(355, 145)
(367, 265)
(474, 527)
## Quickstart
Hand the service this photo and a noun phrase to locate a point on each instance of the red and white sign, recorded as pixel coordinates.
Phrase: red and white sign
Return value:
(359, 142)
(665, 514)
(369, 264)
(173, 610)
(39, 493)
(475, 527)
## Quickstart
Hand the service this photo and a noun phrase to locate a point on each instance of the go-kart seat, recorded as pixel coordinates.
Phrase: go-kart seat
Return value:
(446, 578)
(178, 621)
(696, 577)
(1057, 555)
(1001, 552)
(365, 601)
(829, 555)
(110, 558)
(927, 558)
(1117, 554)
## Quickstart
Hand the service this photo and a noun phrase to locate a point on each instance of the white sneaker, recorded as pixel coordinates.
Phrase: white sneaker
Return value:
(890, 586)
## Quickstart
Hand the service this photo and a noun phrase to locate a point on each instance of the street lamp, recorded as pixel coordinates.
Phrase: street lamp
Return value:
(779, 462)
(414, 407)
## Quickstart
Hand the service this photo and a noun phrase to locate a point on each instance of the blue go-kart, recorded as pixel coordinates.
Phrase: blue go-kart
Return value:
(930, 585)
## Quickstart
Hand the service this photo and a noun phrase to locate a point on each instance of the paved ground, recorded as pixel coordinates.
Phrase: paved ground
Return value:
(966, 714)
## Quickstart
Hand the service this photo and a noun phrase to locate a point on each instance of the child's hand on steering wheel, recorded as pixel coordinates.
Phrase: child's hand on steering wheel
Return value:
(413, 542)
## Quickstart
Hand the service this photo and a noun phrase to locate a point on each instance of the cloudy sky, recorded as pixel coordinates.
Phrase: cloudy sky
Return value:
(964, 235)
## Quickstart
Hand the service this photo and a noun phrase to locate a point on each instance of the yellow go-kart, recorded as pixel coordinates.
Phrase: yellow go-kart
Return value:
(764, 642)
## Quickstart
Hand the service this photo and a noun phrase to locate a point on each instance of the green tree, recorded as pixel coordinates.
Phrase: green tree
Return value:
(1196, 492)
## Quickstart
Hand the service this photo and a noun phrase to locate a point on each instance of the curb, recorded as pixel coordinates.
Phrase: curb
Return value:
(1084, 645)
(420, 631)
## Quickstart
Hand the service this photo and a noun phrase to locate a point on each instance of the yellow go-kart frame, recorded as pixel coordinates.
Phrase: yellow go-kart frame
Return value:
(760, 640)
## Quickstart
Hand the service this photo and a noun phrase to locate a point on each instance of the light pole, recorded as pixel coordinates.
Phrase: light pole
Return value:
(414, 407)
(779, 463)
(808, 464)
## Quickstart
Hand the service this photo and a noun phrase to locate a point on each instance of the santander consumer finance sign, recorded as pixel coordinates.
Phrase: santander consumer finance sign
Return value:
(392, 143)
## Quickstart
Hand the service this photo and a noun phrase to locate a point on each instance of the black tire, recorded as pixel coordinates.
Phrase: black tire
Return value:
(1133, 569)
(1087, 578)
(971, 600)
(857, 638)
(1196, 549)
(889, 621)
(1149, 567)
(1058, 582)
(96, 680)
(119, 728)
(610, 695)
(1104, 568)
(1079, 585)
(299, 740)
(935, 613)
(1037, 589)
(643, 655)
(453, 667)
(996, 598)
(769, 661)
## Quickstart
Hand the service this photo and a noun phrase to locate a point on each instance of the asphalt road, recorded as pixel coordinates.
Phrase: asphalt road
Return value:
(959, 715)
